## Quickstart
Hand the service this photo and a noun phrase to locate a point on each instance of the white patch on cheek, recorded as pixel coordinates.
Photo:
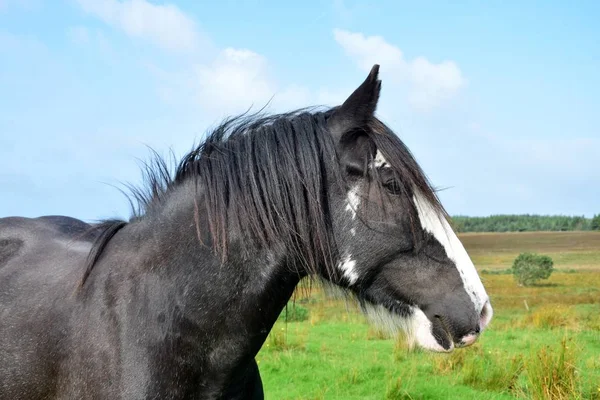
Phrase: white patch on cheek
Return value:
(437, 225)
(416, 327)
(353, 201)
(348, 267)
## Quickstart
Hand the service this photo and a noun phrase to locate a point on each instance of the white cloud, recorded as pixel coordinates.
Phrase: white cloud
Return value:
(239, 78)
(429, 84)
(231, 82)
(367, 51)
(165, 25)
(434, 83)
(236, 79)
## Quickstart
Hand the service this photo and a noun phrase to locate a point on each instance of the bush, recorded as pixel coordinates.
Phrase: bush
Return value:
(528, 268)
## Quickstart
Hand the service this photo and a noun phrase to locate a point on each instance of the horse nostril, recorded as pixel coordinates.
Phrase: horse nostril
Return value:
(486, 316)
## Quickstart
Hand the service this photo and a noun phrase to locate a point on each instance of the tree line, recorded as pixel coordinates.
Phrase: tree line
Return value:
(525, 223)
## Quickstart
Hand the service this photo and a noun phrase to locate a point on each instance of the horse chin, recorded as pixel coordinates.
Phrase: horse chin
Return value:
(414, 326)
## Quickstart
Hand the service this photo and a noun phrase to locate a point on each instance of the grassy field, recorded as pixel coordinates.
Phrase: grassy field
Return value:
(543, 343)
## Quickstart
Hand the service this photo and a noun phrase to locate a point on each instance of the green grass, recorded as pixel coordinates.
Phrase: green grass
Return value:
(544, 341)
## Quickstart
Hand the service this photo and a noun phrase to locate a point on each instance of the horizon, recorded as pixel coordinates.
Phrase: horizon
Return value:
(497, 104)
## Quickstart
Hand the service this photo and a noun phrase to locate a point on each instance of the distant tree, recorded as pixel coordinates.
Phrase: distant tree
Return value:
(595, 224)
(528, 268)
(523, 223)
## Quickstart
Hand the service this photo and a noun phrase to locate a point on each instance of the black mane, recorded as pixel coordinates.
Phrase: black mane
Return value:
(268, 177)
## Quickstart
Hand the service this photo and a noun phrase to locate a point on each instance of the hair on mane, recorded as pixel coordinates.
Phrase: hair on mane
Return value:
(267, 177)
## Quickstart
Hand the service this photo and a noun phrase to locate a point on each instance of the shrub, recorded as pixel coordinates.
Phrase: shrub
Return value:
(528, 268)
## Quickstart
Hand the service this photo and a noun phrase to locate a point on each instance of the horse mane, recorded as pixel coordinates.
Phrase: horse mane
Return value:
(261, 175)
(267, 177)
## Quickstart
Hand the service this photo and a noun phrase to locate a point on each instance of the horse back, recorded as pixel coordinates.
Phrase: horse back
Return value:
(41, 260)
(49, 244)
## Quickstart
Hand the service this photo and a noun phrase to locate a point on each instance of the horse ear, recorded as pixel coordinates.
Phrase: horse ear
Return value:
(352, 118)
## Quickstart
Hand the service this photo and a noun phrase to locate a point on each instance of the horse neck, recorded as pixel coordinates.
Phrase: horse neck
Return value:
(231, 304)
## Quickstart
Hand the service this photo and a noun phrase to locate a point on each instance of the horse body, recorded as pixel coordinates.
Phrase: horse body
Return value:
(36, 273)
(176, 302)
(139, 328)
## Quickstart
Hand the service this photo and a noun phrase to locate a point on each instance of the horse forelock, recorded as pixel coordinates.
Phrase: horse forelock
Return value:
(393, 154)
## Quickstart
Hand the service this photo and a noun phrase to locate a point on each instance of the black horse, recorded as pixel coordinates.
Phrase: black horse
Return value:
(176, 302)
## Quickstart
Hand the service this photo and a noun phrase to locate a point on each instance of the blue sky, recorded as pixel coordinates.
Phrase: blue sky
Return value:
(497, 100)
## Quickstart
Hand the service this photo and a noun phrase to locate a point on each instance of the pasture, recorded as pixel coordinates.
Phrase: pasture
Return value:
(543, 343)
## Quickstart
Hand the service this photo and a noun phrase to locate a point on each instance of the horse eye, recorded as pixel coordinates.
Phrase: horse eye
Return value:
(393, 186)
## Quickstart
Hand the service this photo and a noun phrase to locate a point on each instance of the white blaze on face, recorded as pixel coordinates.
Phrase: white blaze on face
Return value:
(437, 225)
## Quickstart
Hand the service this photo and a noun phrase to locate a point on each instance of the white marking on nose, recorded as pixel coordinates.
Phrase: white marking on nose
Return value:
(353, 201)
(437, 225)
(353, 231)
(347, 266)
(468, 340)
(421, 326)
